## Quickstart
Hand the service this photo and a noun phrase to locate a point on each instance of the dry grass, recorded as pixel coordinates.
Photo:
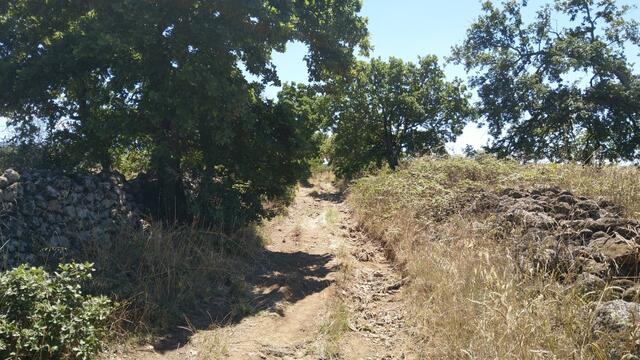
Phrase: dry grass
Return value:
(332, 217)
(336, 324)
(332, 331)
(214, 346)
(162, 277)
(468, 299)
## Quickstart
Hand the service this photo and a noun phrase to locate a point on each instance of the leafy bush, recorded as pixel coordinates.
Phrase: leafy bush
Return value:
(44, 316)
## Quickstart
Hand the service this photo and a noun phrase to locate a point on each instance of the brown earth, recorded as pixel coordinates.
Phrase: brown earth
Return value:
(316, 262)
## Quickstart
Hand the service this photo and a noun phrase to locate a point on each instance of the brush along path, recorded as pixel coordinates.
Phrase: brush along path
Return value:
(321, 290)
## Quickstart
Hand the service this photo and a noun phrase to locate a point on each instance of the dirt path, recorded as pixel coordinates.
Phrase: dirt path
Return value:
(321, 291)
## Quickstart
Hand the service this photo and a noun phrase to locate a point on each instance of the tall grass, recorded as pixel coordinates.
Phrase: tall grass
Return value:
(165, 277)
(467, 296)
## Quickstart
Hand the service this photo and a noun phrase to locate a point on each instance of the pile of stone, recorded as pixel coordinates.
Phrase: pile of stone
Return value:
(586, 241)
(45, 216)
(573, 234)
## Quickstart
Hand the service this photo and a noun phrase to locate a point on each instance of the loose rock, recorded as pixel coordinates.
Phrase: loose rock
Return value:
(584, 238)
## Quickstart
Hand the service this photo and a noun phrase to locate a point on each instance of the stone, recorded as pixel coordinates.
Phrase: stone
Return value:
(627, 233)
(51, 193)
(608, 224)
(620, 254)
(4, 182)
(530, 219)
(12, 176)
(617, 249)
(69, 211)
(53, 206)
(617, 316)
(89, 198)
(59, 242)
(562, 208)
(64, 193)
(567, 199)
(623, 283)
(599, 234)
(585, 234)
(591, 266)
(588, 205)
(43, 209)
(107, 203)
(29, 208)
(587, 283)
(632, 294)
(11, 193)
(616, 322)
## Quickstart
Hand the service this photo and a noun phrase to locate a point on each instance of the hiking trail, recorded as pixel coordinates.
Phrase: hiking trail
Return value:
(321, 290)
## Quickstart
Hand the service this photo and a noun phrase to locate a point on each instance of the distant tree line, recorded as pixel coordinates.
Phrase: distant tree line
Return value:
(389, 110)
(545, 91)
(159, 88)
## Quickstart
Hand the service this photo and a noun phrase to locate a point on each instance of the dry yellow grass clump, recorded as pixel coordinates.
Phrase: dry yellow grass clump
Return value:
(468, 297)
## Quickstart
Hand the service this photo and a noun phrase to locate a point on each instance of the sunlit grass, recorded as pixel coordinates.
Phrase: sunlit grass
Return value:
(467, 297)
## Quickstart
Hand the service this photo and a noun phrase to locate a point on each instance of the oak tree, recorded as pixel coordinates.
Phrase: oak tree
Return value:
(558, 87)
(88, 77)
(390, 110)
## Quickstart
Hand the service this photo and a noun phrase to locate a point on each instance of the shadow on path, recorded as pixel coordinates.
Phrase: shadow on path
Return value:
(332, 197)
(278, 277)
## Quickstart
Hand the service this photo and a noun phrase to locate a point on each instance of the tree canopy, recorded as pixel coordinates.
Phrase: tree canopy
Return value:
(559, 87)
(93, 82)
(389, 110)
(90, 77)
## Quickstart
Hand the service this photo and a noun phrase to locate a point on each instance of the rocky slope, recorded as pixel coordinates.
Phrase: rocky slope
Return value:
(586, 242)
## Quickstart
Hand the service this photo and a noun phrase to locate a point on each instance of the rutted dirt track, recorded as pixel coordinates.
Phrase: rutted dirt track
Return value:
(316, 261)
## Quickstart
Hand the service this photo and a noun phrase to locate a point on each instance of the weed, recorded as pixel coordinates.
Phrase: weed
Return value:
(332, 331)
(163, 275)
(332, 217)
(214, 347)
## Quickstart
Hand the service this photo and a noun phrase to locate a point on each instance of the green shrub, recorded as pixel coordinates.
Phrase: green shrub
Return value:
(45, 316)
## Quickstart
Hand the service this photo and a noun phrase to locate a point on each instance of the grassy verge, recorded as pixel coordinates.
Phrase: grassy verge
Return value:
(468, 298)
(336, 323)
(166, 278)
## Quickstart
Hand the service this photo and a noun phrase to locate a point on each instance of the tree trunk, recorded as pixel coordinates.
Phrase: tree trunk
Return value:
(390, 151)
(393, 161)
(205, 192)
(166, 162)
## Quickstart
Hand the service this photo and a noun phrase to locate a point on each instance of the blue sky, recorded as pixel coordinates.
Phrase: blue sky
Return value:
(408, 29)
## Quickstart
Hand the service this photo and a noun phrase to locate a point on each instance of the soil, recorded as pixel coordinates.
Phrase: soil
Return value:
(316, 259)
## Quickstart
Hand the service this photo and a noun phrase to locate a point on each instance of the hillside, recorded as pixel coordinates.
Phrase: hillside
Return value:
(511, 261)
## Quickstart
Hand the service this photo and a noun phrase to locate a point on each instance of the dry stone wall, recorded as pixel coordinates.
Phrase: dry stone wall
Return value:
(588, 243)
(45, 215)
